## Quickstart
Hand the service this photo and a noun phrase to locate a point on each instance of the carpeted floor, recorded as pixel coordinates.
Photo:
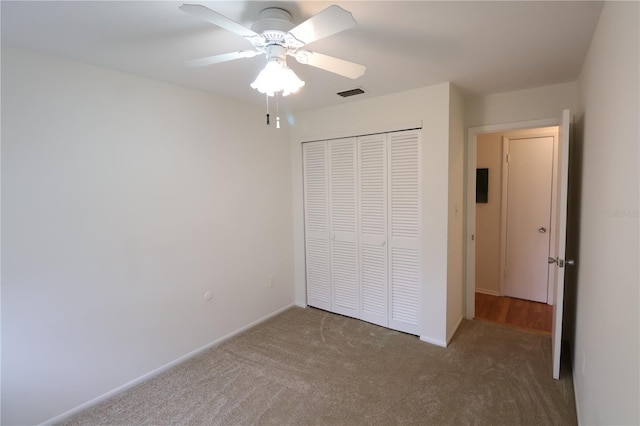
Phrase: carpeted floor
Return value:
(310, 367)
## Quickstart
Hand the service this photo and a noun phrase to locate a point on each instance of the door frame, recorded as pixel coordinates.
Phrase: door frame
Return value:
(470, 200)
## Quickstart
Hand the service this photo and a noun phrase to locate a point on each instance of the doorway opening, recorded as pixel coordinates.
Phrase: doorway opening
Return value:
(513, 312)
(510, 215)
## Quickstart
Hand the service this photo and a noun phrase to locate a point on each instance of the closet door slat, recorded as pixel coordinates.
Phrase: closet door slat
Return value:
(404, 231)
(343, 226)
(316, 218)
(373, 228)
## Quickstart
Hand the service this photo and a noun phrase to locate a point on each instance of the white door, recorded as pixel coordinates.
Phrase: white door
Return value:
(316, 224)
(558, 257)
(372, 201)
(529, 177)
(404, 231)
(362, 227)
(343, 189)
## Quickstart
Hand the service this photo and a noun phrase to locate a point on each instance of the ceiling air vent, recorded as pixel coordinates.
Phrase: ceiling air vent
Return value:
(351, 92)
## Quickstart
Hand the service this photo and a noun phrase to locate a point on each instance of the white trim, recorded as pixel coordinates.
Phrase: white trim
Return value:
(436, 342)
(386, 128)
(487, 291)
(64, 416)
(470, 202)
(300, 305)
(551, 276)
(504, 204)
(469, 244)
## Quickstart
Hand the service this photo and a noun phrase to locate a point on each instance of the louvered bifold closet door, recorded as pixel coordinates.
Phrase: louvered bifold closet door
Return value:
(316, 219)
(404, 230)
(343, 227)
(372, 233)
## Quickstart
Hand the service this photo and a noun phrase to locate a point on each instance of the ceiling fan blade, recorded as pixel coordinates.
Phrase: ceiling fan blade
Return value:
(329, 21)
(215, 18)
(216, 59)
(331, 64)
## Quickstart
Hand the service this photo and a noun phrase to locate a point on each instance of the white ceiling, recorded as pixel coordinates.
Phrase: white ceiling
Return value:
(483, 47)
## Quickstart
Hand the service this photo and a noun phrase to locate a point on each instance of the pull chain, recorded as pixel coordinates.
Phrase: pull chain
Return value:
(267, 109)
(277, 113)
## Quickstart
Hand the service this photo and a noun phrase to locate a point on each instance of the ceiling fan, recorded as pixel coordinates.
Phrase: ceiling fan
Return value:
(275, 36)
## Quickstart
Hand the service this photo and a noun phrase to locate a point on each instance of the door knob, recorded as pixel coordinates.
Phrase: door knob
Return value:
(542, 230)
(561, 262)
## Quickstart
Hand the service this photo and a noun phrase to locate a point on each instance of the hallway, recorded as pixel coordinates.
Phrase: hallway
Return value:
(512, 312)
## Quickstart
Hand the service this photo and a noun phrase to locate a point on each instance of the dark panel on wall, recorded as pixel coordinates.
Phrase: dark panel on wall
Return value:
(482, 185)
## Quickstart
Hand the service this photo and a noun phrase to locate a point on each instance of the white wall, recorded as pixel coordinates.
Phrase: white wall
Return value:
(607, 330)
(430, 105)
(521, 105)
(488, 225)
(123, 201)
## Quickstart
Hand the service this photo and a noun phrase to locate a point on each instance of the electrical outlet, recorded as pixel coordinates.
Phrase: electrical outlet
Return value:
(271, 281)
(208, 296)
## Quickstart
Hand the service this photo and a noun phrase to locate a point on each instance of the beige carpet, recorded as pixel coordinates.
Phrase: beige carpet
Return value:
(310, 367)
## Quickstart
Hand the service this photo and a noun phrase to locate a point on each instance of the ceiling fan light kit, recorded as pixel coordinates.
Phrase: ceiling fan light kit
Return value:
(276, 77)
(275, 36)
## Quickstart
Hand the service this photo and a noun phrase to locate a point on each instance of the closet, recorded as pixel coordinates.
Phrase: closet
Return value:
(362, 227)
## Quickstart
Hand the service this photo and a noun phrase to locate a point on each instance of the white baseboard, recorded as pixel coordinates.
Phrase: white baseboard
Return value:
(443, 343)
(300, 305)
(64, 416)
(487, 291)
(437, 342)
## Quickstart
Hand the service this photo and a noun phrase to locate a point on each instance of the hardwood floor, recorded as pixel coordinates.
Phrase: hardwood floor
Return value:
(519, 313)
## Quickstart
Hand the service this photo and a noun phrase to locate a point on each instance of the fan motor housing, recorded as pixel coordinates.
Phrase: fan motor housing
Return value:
(273, 20)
